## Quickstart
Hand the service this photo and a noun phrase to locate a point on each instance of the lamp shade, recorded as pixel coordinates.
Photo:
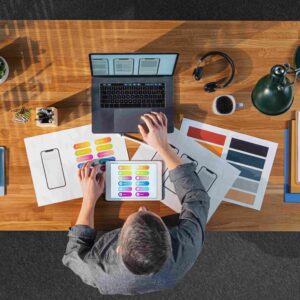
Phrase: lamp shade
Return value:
(273, 93)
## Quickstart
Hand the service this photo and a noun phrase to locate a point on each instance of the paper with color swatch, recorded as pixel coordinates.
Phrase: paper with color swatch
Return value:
(54, 159)
(216, 175)
(254, 157)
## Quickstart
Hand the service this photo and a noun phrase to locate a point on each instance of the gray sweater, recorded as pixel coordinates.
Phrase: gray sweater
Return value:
(97, 263)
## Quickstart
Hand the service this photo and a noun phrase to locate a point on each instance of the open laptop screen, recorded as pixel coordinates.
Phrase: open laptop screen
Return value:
(135, 64)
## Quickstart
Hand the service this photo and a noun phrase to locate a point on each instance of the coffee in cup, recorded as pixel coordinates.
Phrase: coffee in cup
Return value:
(225, 105)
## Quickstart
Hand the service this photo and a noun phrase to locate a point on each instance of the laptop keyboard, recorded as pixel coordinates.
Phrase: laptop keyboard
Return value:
(134, 95)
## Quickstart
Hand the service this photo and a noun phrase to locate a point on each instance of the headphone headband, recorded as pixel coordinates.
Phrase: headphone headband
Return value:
(198, 72)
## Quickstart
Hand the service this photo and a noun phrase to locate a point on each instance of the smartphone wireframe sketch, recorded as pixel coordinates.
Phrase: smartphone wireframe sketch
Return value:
(53, 169)
(207, 177)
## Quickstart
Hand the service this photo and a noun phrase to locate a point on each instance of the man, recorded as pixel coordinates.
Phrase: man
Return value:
(144, 255)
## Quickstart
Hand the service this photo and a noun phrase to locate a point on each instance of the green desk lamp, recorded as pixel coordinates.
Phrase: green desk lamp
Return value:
(273, 94)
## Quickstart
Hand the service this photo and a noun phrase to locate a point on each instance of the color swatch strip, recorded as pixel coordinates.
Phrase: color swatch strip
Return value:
(240, 196)
(104, 147)
(104, 140)
(245, 159)
(105, 153)
(249, 147)
(248, 172)
(84, 158)
(83, 153)
(213, 148)
(246, 185)
(82, 145)
(205, 135)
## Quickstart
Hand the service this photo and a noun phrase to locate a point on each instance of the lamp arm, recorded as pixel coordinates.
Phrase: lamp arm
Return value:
(293, 71)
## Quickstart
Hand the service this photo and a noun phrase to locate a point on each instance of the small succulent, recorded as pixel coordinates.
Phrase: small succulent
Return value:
(2, 68)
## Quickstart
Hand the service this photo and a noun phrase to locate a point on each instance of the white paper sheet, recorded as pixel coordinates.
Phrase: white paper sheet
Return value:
(75, 146)
(253, 156)
(225, 174)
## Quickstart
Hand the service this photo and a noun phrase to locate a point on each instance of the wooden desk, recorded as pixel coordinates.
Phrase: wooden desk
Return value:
(49, 67)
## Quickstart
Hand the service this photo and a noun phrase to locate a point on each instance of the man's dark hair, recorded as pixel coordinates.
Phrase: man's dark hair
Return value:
(145, 244)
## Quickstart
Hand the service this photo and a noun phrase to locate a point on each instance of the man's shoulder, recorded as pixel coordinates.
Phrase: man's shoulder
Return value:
(106, 238)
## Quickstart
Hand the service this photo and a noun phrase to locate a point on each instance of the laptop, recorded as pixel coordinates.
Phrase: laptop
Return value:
(128, 85)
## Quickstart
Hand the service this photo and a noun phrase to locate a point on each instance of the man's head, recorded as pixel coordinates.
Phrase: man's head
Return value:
(144, 243)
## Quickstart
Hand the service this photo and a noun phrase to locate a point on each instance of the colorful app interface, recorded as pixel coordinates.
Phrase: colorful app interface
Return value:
(85, 151)
(134, 181)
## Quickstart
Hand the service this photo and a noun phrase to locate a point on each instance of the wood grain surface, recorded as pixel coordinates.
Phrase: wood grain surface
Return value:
(49, 67)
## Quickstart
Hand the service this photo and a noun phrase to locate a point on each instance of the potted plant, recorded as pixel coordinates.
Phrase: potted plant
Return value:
(4, 70)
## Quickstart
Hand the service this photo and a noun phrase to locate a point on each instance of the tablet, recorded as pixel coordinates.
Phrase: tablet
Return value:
(133, 180)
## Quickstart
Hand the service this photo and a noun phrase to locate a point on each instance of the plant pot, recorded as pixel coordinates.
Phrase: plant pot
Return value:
(2, 79)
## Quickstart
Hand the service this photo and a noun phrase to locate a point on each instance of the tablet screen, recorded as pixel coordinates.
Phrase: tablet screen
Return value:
(135, 180)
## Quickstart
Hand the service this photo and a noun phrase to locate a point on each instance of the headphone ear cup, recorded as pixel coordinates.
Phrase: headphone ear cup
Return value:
(198, 72)
(210, 87)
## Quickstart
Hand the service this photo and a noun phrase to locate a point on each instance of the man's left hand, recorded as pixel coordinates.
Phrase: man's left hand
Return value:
(92, 183)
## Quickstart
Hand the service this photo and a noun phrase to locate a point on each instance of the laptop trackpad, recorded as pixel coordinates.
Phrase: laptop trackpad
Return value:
(127, 120)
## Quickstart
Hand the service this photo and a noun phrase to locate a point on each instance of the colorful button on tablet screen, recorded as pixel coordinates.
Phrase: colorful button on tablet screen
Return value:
(142, 194)
(144, 188)
(142, 168)
(124, 167)
(142, 183)
(142, 172)
(124, 173)
(125, 183)
(142, 177)
(125, 177)
(125, 194)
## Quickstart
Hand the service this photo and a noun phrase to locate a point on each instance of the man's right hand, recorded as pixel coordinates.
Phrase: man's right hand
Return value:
(154, 131)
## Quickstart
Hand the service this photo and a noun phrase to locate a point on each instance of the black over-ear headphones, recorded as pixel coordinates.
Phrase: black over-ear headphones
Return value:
(212, 86)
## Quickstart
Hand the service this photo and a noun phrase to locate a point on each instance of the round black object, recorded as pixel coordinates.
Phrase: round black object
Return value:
(224, 105)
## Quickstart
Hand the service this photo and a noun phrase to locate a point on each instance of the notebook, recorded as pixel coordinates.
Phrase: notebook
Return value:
(294, 186)
(288, 197)
(297, 159)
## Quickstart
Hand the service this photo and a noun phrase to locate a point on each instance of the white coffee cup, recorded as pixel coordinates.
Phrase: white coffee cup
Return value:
(226, 105)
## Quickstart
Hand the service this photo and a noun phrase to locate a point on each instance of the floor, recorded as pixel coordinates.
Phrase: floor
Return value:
(232, 265)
